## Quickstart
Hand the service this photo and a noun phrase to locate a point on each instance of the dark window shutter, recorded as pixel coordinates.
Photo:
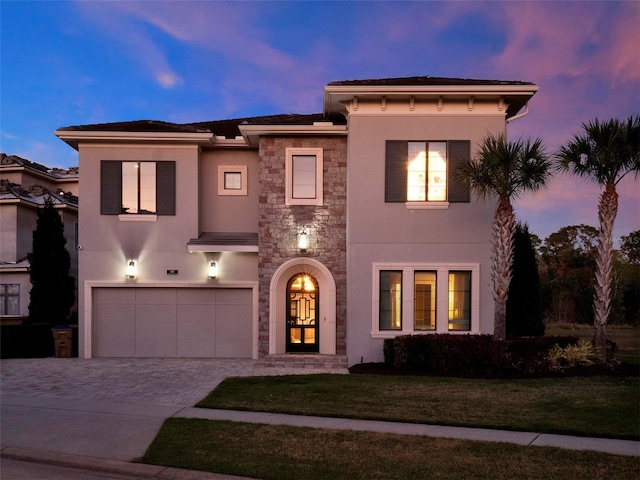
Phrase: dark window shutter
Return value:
(396, 171)
(166, 188)
(458, 152)
(110, 187)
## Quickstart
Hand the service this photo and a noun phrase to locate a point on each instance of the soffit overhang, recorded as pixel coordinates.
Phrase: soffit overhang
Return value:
(74, 137)
(339, 98)
(252, 133)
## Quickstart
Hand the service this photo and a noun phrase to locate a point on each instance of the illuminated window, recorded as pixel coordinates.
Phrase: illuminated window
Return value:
(424, 301)
(460, 301)
(419, 173)
(390, 314)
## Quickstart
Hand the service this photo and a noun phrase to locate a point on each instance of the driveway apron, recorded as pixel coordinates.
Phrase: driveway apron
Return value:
(105, 408)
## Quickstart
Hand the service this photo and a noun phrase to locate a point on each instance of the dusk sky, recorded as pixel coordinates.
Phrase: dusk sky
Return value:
(75, 63)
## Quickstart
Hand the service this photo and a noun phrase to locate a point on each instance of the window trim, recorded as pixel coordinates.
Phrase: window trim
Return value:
(395, 186)
(111, 190)
(223, 170)
(5, 298)
(289, 154)
(442, 298)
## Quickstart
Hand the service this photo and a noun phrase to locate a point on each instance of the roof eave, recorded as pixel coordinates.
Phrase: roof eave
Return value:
(75, 137)
(252, 133)
(335, 96)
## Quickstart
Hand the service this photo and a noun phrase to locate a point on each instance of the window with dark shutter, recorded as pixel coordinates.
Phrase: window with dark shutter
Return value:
(396, 171)
(110, 187)
(396, 168)
(166, 188)
(458, 152)
(111, 193)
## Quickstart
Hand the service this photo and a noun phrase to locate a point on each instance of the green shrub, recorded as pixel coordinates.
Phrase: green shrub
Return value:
(472, 355)
(583, 353)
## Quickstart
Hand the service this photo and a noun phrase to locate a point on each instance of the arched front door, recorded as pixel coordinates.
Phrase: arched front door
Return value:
(302, 335)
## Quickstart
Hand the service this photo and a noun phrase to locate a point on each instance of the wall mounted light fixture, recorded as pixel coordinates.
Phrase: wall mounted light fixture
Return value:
(213, 269)
(131, 269)
(303, 241)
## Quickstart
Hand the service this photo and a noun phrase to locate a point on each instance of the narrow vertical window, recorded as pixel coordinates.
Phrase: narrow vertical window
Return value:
(424, 308)
(390, 314)
(416, 172)
(437, 172)
(460, 301)
(303, 181)
(304, 175)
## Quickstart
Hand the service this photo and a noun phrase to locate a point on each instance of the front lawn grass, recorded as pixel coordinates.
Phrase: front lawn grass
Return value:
(295, 453)
(586, 406)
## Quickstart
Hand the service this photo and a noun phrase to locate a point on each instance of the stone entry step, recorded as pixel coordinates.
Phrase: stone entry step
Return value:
(299, 360)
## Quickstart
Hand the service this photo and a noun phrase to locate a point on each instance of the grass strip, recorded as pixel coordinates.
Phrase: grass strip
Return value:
(282, 452)
(594, 406)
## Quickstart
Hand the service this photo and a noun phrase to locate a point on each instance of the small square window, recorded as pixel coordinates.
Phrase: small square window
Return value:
(232, 180)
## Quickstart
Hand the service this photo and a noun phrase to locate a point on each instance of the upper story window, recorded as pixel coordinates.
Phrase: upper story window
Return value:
(139, 188)
(420, 173)
(232, 180)
(303, 176)
(9, 299)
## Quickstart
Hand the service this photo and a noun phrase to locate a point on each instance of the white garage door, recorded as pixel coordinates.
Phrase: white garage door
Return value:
(172, 322)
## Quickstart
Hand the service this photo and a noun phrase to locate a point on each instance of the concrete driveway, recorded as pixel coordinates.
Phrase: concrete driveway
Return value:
(105, 408)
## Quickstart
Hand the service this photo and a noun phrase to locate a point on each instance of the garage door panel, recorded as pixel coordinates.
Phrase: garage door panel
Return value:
(196, 348)
(156, 296)
(199, 313)
(233, 296)
(114, 295)
(195, 296)
(234, 331)
(114, 331)
(152, 313)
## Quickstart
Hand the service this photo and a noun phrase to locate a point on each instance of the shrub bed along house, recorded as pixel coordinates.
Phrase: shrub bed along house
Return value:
(480, 356)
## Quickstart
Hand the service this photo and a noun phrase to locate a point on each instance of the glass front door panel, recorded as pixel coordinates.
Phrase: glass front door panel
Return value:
(302, 324)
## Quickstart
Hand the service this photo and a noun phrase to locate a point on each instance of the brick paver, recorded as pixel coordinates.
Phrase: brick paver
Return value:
(179, 382)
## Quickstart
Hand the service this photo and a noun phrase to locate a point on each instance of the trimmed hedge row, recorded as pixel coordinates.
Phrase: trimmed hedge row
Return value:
(26, 341)
(472, 355)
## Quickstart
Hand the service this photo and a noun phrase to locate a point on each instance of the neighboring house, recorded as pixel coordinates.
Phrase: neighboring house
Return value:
(24, 187)
(261, 237)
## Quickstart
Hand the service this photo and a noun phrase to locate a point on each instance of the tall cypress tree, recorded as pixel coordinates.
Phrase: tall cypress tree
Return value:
(524, 306)
(52, 288)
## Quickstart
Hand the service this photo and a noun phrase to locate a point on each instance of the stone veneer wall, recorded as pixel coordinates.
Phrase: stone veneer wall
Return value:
(279, 224)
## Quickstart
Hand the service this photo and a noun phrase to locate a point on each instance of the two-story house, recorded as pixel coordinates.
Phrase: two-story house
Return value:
(317, 234)
(24, 187)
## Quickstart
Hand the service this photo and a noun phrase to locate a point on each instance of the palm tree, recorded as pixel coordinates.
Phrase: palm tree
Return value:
(504, 170)
(604, 154)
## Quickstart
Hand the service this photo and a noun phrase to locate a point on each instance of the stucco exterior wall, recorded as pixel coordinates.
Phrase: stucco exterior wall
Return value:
(279, 225)
(380, 232)
(231, 213)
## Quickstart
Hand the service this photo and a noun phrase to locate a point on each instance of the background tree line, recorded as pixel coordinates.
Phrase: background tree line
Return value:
(553, 279)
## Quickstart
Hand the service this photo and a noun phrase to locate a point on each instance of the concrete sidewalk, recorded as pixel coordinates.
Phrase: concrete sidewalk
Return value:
(614, 446)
